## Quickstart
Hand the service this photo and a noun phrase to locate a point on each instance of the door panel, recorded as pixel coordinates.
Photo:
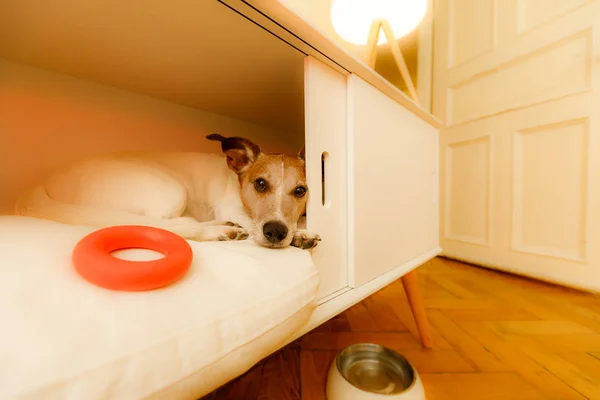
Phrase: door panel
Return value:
(519, 154)
(326, 119)
(393, 183)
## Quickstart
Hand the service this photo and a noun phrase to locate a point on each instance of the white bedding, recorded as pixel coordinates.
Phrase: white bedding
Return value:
(64, 338)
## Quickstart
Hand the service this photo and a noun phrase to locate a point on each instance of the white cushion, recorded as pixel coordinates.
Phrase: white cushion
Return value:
(64, 338)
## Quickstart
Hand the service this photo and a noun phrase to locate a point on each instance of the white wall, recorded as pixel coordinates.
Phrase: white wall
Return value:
(47, 119)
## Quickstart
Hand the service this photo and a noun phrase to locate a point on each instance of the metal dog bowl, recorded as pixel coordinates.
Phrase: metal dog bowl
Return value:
(367, 371)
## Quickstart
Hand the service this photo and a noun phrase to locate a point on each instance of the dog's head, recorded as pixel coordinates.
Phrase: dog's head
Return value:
(273, 188)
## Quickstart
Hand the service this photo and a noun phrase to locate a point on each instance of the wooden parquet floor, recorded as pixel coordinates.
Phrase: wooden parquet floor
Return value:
(496, 336)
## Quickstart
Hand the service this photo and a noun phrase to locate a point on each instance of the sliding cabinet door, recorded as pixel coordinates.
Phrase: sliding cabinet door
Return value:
(393, 180)
(326, 161)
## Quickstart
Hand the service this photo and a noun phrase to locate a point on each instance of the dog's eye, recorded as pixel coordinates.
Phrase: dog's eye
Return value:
(300, 191)
(260, 185)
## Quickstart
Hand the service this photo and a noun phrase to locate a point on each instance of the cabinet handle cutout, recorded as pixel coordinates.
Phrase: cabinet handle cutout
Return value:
(324, 198)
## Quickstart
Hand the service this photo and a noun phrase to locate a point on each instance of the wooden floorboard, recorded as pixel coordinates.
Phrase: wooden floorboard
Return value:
(496, 336)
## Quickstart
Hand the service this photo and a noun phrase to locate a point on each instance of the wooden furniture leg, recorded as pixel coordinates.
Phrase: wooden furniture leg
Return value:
(370, 55)
(411, 287)
(371, 48)
(399, 58)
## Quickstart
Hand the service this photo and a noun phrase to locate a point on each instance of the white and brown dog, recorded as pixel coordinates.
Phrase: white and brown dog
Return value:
(202, 197)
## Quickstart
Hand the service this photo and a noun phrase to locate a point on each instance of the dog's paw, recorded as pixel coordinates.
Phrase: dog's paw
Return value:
(305, 240)
(232, 232)
(221, 233)
(221, 223)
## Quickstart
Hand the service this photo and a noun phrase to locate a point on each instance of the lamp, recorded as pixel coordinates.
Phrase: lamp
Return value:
(360, 21)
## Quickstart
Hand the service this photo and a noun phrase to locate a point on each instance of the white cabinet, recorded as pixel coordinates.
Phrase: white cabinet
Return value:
(269, 76)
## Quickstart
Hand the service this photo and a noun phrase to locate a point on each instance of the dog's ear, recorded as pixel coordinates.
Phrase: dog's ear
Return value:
(302, 154)
(240, 152)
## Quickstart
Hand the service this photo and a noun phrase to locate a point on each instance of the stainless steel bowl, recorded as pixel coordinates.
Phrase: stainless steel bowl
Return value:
(371, 371)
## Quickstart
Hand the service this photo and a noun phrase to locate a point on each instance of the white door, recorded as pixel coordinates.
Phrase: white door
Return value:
(517, 84)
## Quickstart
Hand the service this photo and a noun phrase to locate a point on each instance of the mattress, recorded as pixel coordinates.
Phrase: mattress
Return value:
(64, 338)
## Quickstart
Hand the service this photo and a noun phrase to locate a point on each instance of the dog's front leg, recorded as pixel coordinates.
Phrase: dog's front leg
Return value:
(209, 231)
(305, 240)
(238, 217)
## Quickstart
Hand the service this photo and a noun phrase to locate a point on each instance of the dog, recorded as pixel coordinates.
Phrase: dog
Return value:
(239, 194)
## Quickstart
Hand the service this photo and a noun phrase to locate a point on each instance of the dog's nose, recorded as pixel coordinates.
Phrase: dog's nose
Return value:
(275, 231)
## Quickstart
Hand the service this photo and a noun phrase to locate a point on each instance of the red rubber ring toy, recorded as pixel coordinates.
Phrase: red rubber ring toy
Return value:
(93, 261)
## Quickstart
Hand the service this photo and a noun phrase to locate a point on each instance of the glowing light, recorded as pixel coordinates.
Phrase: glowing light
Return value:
(352, 19)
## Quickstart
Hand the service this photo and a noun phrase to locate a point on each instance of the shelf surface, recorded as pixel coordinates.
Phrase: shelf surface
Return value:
(198, 53)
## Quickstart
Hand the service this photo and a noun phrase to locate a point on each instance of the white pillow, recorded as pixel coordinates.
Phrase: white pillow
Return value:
(63, 337)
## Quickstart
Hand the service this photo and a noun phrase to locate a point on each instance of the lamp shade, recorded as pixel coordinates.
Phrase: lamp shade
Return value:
(352, 19)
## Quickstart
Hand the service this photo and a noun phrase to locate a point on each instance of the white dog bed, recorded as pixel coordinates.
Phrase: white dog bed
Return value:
(64, 338)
